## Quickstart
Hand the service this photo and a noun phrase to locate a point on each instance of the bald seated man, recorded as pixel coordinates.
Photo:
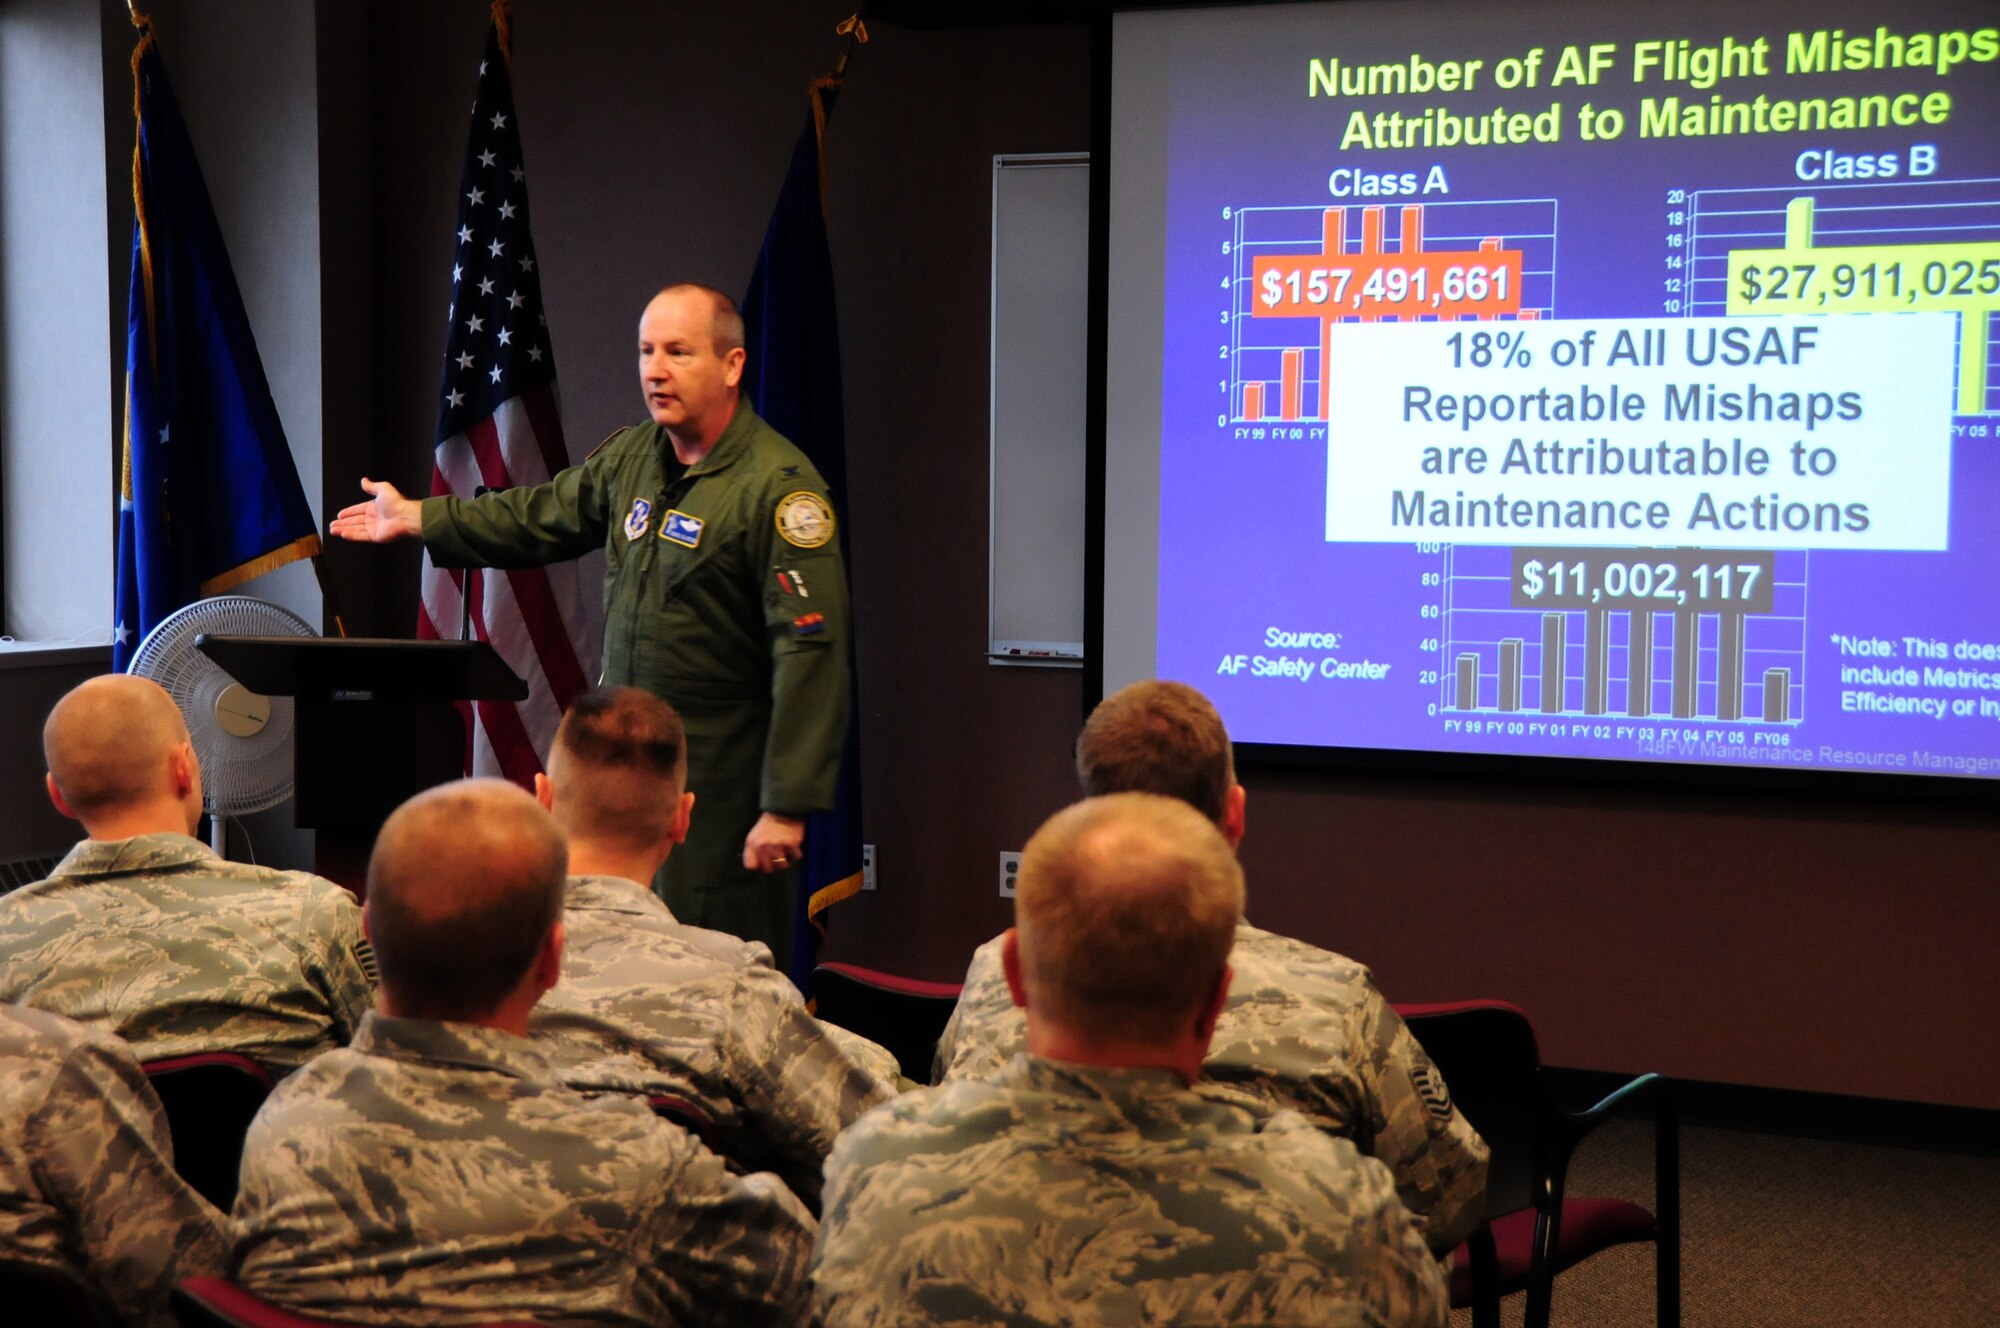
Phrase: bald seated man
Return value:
(1304, 1028)
(145, 933)
(1087, 1183)
(648, 1005)
(87, 1180)
(438, 1171)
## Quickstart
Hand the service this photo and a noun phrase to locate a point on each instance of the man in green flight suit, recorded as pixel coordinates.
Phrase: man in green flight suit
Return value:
(724, 593)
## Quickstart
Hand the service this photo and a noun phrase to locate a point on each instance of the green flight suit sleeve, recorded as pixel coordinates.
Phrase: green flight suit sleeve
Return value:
(807, 622)
(522, 527)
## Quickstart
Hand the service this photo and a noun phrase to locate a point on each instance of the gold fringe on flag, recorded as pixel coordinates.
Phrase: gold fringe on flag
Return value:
(304, 547)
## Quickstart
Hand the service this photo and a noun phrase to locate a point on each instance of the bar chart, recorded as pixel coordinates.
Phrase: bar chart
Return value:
(1645, 633)
(1901, 247)
(1298, 270)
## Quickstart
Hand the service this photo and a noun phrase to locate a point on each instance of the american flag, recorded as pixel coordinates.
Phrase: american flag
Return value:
(499, 426)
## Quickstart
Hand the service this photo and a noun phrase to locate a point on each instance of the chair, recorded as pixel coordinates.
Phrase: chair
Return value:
(688, 1115)
(209, 1100)
(211, 1302)
(905, 1015)
(1532, 1230)
(44, 1296)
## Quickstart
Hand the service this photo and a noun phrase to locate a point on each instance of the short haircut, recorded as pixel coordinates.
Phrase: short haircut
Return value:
(725, 328)
(1125, 908)
(1158, 737)
(619, 766)
(106, 742)
(463, 886)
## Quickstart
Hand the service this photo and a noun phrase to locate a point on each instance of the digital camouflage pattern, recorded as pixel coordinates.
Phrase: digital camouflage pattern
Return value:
(646, 1005)
(873, 1057)
(87, 1177)
(178, 951)
(1081, 1195)
(1303, 1029)
(437, 1173)
(716, 599)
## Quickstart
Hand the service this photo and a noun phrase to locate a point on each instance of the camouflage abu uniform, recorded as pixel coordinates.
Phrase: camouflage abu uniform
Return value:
(177, 951)
(87, 1176)
(1081, 1195)
(646, 1005)
(724, 594)
(437, 1173)
(1304, 1029)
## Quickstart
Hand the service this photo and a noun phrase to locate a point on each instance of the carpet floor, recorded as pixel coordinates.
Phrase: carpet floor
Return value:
(1792, 1233)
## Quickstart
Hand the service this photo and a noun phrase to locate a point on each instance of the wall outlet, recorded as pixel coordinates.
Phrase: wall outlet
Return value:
(867, 866)
(1010, 867)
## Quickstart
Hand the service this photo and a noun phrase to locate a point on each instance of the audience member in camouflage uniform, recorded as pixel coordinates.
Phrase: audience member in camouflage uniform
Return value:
(647, 1005)
(437, 1171)
(87, 1178)
(1304, 1028)
(1086, 1184)
(144, 932)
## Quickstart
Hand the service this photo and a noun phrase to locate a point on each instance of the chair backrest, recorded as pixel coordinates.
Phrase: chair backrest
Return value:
(905, 1015)
(35, 1295)
(211, 1302)
(1492, 1067)
(209, 1099)
(688, 1115)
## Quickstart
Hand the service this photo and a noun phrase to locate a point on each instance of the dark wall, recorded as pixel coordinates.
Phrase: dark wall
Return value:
(30, 826)
(1834, 946)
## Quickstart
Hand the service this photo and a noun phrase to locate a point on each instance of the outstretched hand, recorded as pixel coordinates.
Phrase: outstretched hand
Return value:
(387, 516)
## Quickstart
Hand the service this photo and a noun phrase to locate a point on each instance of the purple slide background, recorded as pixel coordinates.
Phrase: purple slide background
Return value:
(1241, 547)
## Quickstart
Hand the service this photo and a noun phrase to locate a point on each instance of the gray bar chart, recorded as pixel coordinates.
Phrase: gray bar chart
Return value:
(1674, 634)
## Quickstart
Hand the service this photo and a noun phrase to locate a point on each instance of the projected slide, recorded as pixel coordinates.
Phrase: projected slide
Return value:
(1551, 381)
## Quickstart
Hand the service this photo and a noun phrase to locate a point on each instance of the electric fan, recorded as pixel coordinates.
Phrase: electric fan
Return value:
(243, 740)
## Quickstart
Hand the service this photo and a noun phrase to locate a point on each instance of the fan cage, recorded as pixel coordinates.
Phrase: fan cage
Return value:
(238, 775)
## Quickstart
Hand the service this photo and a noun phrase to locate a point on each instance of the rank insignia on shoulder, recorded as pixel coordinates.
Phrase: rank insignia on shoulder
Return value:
(1431, 1088)
(788, 472)
(637, 519)
(804, 519)
(809, 624)
(681, 528)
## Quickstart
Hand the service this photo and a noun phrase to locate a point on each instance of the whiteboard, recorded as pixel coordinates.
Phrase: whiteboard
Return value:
(1041, 256)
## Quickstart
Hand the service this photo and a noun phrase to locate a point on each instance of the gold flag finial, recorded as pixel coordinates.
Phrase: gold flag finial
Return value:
(503, 19)
(856, 31)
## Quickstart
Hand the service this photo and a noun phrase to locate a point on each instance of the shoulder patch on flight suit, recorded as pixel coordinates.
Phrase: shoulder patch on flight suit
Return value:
(804, 519)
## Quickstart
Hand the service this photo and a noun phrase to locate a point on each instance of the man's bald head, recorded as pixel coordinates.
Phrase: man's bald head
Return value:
(1125, 909)
(619, 766)
(112, 744)
(464, 886)
(725, 328)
